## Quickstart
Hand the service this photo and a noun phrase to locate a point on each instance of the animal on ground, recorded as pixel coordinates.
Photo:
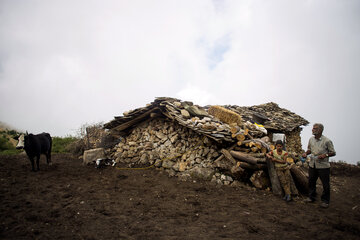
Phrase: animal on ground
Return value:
(34, 146)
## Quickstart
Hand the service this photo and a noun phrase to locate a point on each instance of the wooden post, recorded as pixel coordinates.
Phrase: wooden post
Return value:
(274, 179)
(300, 179)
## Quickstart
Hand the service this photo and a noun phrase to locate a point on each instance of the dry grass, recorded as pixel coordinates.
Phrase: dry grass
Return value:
(225, 115)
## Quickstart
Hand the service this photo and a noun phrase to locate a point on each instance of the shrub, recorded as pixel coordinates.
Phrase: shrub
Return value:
(6, 147)
(62, 145)
(5, 143)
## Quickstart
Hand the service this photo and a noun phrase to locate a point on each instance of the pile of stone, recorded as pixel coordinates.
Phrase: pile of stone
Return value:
(167, 145)
(224, 144)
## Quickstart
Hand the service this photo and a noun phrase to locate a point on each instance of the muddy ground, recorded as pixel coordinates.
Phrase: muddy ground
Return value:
(70, 201)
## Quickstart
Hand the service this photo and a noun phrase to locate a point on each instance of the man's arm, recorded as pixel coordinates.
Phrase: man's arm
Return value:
(308, 151)
(331, 151)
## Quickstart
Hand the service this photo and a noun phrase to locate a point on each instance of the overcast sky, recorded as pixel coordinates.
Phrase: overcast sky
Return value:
(68, 63)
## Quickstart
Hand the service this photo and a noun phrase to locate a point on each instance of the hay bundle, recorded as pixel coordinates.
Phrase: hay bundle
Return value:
(225, 115)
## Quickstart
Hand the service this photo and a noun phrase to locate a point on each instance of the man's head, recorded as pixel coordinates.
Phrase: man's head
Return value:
(318, 129)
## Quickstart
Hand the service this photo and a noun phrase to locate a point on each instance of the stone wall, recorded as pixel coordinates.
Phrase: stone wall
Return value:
(166, 144)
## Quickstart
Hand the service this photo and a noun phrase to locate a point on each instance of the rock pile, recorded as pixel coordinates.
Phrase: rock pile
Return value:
(167, 145)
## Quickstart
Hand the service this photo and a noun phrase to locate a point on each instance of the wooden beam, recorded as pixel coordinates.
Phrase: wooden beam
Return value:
(134, 121)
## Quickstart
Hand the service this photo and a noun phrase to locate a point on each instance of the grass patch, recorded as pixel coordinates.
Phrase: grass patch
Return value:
(6, 147)
(61, 145)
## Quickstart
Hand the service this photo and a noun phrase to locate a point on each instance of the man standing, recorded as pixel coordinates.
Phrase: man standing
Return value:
(320, 148)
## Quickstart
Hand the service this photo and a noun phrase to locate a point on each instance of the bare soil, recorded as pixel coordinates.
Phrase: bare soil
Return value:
(70, 201)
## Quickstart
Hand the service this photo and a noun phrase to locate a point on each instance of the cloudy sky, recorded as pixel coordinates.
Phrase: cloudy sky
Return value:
(65, 63)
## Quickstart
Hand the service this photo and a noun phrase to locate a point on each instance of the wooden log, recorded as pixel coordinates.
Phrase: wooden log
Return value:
(220, 158)
(300, 179)
(243, 157)
(251, 166)
(240, 137)
(255, 149)
(261, 160)
(242, 149)
(274, 179)
(234, 129)
(264, 150)
(260, 180)
(293, 188)
(256, 140)
(246, 131)
(237, 172)
(228, 156)
(257, 155)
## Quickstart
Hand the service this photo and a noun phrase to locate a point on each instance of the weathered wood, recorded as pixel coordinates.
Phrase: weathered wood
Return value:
(134, 121)
(228, 156)
(257, 141)
(293, 188)
(263, 150)
(260, 180)
(234, 129)
(238, 172)
(240, 137)
(255, 149)
(257, 155)
(219, 162)
(300, 179)
(246, 165)
(242, 149)
(246, 131)
(243, 157)
(274, 179)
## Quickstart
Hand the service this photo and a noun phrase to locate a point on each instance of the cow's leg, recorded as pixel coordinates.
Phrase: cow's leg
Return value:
(37, 162)
(48, 158)
(32, 164)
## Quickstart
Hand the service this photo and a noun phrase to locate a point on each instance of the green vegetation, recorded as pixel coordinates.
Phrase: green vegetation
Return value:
(6, 147)
(61, 145)
(7, 144)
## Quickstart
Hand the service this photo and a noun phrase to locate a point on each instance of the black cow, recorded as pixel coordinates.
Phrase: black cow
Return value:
(34, 145)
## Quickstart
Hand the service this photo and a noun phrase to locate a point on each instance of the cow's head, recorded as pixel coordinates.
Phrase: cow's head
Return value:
(21, 141)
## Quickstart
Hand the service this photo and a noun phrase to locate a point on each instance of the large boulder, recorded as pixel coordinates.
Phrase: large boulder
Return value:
(92, 155)
(202, 173)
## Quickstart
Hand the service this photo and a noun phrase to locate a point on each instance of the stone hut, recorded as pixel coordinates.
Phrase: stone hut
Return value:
(187, 140)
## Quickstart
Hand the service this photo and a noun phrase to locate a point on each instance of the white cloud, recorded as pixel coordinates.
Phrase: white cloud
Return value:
(65, 63)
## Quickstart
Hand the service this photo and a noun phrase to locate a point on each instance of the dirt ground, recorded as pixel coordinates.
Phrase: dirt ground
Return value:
(70, 201)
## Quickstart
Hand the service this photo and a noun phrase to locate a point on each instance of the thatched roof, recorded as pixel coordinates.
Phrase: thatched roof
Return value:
(197, 118)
